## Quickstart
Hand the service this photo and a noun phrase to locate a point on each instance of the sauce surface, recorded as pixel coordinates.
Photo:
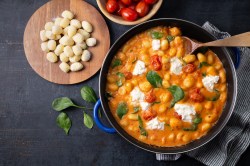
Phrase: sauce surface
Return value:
(161, 96)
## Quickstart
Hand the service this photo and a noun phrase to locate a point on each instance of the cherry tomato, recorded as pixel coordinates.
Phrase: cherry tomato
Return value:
(126, 2)
(150, 97)
(189, 68)
(151, 2)
(132, 6)
(142, 8)
(148, 114)
(195, 95)
(156, 62)
(120, 7)
(177, 115)
(128, 75)
(129, 14)
(112, 6)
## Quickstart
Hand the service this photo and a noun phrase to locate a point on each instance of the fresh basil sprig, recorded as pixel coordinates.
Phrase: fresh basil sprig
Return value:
(62, 103)
(64, 122)
(87, 120)
(177, 93)
(142, 129)
(122, 109)
(154, 79)
(88, 94)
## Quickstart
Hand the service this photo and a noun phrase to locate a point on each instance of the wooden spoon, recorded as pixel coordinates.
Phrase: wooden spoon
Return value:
(241, 40)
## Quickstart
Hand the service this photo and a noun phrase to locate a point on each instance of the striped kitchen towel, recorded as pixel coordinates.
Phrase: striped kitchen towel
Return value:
(227, 147)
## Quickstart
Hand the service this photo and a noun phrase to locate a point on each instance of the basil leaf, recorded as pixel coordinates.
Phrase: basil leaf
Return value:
(119, 74)
(116, 62)
(87, 120)
(88, 94)
(177, 93)
(214, 98)
(170, 38)
(156, 35)
(142, 129)
(122, 109)
(203, 64)
(192, 128)
(63, 122)
(136, 109)
(197, 120)
(119, 83)
(154, 79)
(62, 103)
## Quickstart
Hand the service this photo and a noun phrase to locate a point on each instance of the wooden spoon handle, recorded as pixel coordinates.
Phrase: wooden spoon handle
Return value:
(242, 40)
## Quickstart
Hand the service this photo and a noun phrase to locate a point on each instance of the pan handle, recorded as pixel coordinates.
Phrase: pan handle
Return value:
(98, 122)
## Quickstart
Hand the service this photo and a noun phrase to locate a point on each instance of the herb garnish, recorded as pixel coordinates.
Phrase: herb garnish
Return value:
(214, 98)
(63, 122)
(116, 62)
(170, 38)
(177, 93)
(122, 109)
(142, 129)
(156, 35)
(154, 79)
(203, 64)
(197, 120)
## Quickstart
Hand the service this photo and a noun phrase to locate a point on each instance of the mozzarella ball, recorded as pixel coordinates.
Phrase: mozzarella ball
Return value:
(67, 14)
(83, 45)
(75, 58)
(78, 38)
(63, 57)
(87, 26)
(58, 21)
(76, 66)
(52, 57)
(68, 51)
(77, 50)
(44, 47)
(48, 26)
(43, 35)
(49, 35)
(84, 33)
(76, 23)
(86, 55)
(59, 49)
(64, 67)
(57, 30)
(71, 31)
(51, 45)
(66, 41)
(91, 42)
(64, 23)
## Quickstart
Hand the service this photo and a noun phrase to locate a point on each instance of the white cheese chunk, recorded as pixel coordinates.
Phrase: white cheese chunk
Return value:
(209, 82)
(140, 68)
(186, 111)
(176, 66)
(144, 105)
(137, 98)
(156, 44)
(154, 124)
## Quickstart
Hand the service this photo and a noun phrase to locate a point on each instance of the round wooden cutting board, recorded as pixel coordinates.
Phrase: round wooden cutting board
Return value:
(37, 58)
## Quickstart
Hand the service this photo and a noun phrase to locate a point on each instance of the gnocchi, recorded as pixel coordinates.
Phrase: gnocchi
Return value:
(67, 39)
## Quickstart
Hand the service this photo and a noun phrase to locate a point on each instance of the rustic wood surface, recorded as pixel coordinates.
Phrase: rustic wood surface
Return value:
(28, 132)
(37, 58)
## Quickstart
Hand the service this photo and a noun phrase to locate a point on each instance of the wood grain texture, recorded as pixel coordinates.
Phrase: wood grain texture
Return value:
(37, 58)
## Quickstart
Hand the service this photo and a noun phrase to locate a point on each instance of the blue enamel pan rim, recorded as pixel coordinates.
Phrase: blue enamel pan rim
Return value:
(165, 150)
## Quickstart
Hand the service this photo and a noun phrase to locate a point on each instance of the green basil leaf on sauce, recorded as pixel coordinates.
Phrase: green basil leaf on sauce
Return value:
(142, 129)
(154, 79)
(197, 120)
(116, 62)
(203, 64)
(170, 38)
(122, 109)
(87, 120)
(88, 94)
(64, 122)
(214, 98)
(177, 93)
(156, 35)
(119, 74)
(136, 109)
(119, 83)
(62, 103)
(192, 128)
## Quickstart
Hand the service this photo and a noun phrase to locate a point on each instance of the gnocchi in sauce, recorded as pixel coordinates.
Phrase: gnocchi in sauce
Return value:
(161, 96)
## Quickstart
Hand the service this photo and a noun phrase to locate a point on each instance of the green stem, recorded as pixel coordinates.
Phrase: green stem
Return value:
(77, 106)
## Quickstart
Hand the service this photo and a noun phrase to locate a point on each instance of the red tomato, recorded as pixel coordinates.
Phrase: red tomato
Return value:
(142, 8)
(148, 114)
(150, 1)
(128, 75)
(112, 6)
(120, 7)
(132, 6)
(150, 97)
(195, 95)
(189, 68)
(177, 115)
(126, 2)
(129, 14)
(156, 62)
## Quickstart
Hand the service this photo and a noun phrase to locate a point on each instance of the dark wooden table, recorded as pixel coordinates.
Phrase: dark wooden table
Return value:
(28, 132)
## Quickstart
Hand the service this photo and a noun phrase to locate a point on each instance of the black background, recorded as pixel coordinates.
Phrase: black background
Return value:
(28, 132)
